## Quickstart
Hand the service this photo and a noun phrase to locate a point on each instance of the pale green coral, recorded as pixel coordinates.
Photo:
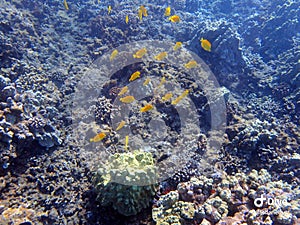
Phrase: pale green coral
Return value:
(136, 168)
(127, 182)
(179, 213)
(171, 211)
(215, 208)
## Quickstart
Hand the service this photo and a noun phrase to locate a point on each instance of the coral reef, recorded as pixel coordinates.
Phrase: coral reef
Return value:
(20, 215)
(127, 182)
(214, 201)
(23, 123)
(45, 50)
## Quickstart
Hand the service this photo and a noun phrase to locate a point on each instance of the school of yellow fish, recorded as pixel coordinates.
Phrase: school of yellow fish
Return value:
(139, 53)
(128, 99)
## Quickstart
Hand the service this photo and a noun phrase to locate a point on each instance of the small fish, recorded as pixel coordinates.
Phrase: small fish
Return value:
(66, 5)
(144, 10)
(185, 93)
(126, 142)
(177, 46)
(98, 1)
(113, 55)
(167, 97)
(127, 99)
(161, 56)
(146, 108)
(140, 14)
(147, 81)
(140, 53)
(205, 44)
(98, 137)
(168, 11)
(135, 76)
(121, 124)
(162, 81)
(174, 18)
(179, 98)
(109, 9)
(191, 64)
(127, 19)
(123, 91)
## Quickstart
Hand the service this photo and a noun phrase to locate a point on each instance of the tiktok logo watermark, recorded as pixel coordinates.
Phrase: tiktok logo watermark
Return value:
(259, 202)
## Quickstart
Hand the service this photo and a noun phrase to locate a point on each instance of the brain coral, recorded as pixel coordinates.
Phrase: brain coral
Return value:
(126, 182)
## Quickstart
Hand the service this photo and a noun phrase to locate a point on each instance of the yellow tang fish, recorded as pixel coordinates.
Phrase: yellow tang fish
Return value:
(168, 11)
(140, 14)
(126, 19)
(174, 18)
(66, 5)
(127, 99)
(167, 96)
(113, 55)
(161, 56)
(126, 142)
(177, 46)
(179, 98)
(123, 91)
(98, 137)
(191, 64)
(135, 75)
(140, 53)
(109, 9)
(162, 81)
(144, 10)
(146, 82)
(205, 44)
(185, 93)
(146, 108)
(121, 124)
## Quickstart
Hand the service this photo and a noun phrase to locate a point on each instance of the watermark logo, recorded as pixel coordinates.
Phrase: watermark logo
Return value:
(259, 202)
(170, 132)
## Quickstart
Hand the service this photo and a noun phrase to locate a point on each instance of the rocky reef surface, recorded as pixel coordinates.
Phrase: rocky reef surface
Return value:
(230, 200)
(45, 50)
